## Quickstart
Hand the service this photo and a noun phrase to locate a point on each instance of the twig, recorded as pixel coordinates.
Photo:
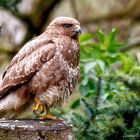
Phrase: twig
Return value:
(98, 94)
(89, 109)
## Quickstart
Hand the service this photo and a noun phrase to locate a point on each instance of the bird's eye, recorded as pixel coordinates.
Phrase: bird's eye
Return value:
(67, 25)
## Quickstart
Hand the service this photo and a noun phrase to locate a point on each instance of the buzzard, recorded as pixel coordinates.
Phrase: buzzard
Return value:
(45, 70)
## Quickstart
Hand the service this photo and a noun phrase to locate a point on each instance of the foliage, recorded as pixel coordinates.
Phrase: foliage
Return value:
(109, 103)
(9, 3)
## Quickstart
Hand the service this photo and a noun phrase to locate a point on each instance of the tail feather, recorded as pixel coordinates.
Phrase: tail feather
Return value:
(9, 102)
(9, 107)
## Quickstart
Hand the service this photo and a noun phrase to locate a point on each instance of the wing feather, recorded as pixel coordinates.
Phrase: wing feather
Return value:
(26, 63)
(27, 49)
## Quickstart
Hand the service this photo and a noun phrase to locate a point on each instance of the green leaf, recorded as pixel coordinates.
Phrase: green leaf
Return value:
(100, 66)
(9, 3)
(75, 104)
(116, 44)
(135, 71)
(89, 66)
(110, 96)
(86, 37)
(84, 90)
(112, 34)
(101, 35)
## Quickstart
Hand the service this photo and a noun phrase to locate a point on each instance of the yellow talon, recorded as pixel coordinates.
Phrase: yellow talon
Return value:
(49, 117)
(41, 112)
(38, 107)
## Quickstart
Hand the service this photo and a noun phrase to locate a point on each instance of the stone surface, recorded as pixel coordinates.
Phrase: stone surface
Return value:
(35, 130)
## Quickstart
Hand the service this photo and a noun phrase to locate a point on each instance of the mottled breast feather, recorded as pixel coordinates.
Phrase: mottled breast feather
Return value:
(57, 78)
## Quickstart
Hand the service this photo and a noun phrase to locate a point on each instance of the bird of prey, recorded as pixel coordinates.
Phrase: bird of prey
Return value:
(45, 70)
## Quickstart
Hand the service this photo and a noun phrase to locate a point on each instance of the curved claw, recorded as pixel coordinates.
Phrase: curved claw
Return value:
(39, 107)
(49, 117)
(41, 112)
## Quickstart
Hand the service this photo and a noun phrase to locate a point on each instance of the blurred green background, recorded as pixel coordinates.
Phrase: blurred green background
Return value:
(106, 103)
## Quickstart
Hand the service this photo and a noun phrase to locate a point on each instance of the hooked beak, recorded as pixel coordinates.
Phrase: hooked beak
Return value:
(78, 29)
(77, 32)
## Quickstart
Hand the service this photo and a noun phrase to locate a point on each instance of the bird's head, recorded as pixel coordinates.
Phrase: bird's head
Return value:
(65, 26)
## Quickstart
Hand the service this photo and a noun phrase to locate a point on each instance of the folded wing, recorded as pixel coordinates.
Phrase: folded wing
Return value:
(26, 63)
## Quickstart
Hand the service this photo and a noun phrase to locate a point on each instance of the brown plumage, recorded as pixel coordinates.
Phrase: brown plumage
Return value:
(46, 68)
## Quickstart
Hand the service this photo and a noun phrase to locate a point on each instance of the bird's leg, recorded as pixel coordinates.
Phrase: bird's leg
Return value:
(48, 116)
(41, 111)
(39, 107)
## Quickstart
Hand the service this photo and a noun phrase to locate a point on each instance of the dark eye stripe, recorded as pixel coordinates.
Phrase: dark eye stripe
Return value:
(66, 25)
